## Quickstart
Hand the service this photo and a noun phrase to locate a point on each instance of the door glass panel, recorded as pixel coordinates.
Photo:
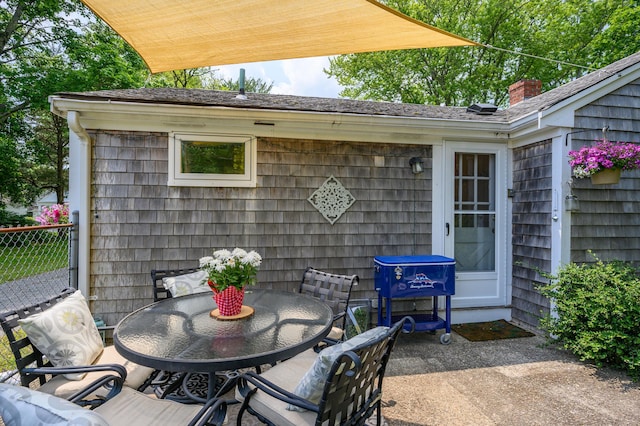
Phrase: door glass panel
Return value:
(468, 190)
(468, 167)
(484, 165)
(474, 212)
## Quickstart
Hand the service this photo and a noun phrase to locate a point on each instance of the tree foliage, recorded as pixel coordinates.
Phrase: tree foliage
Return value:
(206, 78)
(51, 46)
(30, 33)
(44, 54)
(589, 33)
(251, 85)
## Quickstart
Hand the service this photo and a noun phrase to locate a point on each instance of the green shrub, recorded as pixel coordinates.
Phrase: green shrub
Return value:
(361, 314)
(10, 219)
(598, 313)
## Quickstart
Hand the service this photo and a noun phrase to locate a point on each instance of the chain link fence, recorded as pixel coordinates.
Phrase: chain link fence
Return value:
(36, 263)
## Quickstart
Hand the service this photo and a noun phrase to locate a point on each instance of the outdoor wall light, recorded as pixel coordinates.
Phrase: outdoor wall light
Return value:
(416, 165)
(571, 202)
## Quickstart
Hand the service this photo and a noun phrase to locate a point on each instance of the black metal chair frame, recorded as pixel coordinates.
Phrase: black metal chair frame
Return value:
(212, 413)
(31, 364)
(354, 385)
(333, 289)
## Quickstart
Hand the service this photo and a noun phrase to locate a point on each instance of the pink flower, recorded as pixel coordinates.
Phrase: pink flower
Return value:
(57, 213)
(589, 160)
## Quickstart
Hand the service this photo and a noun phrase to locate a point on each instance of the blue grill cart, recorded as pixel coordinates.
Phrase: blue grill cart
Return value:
(416, 277)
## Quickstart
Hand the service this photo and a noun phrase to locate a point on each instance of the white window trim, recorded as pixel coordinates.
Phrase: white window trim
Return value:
(177, 178)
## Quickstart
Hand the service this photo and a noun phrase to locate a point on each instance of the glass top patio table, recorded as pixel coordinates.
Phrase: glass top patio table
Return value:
(178, 334)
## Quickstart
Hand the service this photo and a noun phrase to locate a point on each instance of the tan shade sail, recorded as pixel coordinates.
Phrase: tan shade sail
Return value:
(179, 34)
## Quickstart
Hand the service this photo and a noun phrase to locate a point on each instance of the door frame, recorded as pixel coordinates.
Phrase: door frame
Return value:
(443, 213)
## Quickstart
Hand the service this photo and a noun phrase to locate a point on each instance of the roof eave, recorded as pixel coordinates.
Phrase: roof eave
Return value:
(142, 116)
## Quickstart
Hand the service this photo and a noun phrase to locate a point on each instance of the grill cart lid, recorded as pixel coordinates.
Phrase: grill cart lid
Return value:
(413, 260)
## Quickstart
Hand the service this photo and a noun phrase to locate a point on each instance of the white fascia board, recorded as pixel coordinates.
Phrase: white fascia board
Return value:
(562, 114)
(558, 114)
(533, 136)
(131, 116)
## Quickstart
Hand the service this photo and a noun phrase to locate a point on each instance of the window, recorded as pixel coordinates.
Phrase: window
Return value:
(212, 160)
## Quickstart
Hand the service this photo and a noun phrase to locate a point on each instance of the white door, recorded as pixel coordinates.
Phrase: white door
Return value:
(475, 216)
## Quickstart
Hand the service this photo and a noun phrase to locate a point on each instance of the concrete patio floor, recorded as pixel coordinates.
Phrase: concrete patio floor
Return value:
(501, 382)
(517, 381)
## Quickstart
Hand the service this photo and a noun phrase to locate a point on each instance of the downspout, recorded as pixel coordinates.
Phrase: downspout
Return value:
(80, 192)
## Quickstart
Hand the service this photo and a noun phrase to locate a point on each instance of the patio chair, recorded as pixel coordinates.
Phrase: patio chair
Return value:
(20, 406)
(169, 283)
(342, 384)
(333, 289)
(176, 282)
(45, 348)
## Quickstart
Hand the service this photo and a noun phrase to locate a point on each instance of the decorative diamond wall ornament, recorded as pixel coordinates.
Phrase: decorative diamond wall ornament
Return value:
(331, 199)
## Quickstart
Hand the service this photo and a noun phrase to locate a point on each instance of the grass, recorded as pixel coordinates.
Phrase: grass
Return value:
(7, 360)
(33, 258)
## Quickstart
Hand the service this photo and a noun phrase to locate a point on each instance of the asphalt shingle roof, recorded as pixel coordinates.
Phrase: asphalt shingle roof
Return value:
(228, 99)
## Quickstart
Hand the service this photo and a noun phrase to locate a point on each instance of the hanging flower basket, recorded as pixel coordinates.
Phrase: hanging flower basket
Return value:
(604, 161)
(606, 177)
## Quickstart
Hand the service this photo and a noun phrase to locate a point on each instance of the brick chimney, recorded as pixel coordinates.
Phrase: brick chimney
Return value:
(523, 90)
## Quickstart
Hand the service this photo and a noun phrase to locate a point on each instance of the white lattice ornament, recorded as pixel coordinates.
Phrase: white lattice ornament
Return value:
(331, 199)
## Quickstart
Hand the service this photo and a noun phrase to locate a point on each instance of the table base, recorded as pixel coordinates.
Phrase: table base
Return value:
(245, 311)
(195, 388)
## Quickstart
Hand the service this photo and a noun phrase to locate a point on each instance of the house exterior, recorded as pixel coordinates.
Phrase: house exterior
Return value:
(47, 200)
(328, 183)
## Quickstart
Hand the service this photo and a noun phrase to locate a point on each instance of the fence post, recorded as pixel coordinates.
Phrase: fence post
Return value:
(73, 250)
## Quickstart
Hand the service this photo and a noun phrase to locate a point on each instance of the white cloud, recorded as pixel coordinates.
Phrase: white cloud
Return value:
(300, 77)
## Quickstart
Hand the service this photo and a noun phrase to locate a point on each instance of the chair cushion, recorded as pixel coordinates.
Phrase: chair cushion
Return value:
(65, 333)
(134, 408)
(286, 375)
(136, 375)
(312, 383)
(181, 285)
(20, 406)
(336, 333)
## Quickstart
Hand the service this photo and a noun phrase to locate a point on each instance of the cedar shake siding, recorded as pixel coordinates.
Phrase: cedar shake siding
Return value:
(608, 222)
(139, 223)
(134, 222)
(531, 230)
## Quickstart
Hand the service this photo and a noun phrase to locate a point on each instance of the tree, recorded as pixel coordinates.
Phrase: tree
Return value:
(206, 78)
(620, 38)
(49, 46)
(39, 59)
(10, 181)
(28, 28)
(12, 157)
(576, 31)
(97, 59)
(186, 79)
(48, 152)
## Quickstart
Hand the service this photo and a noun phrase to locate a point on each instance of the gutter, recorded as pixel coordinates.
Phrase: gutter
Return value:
(73, 120)
(134, 116)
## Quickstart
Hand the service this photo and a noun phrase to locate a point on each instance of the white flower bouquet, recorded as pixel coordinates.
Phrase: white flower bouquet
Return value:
(237, 268)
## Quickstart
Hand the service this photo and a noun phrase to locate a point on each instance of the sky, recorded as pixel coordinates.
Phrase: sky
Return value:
(299, 77)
